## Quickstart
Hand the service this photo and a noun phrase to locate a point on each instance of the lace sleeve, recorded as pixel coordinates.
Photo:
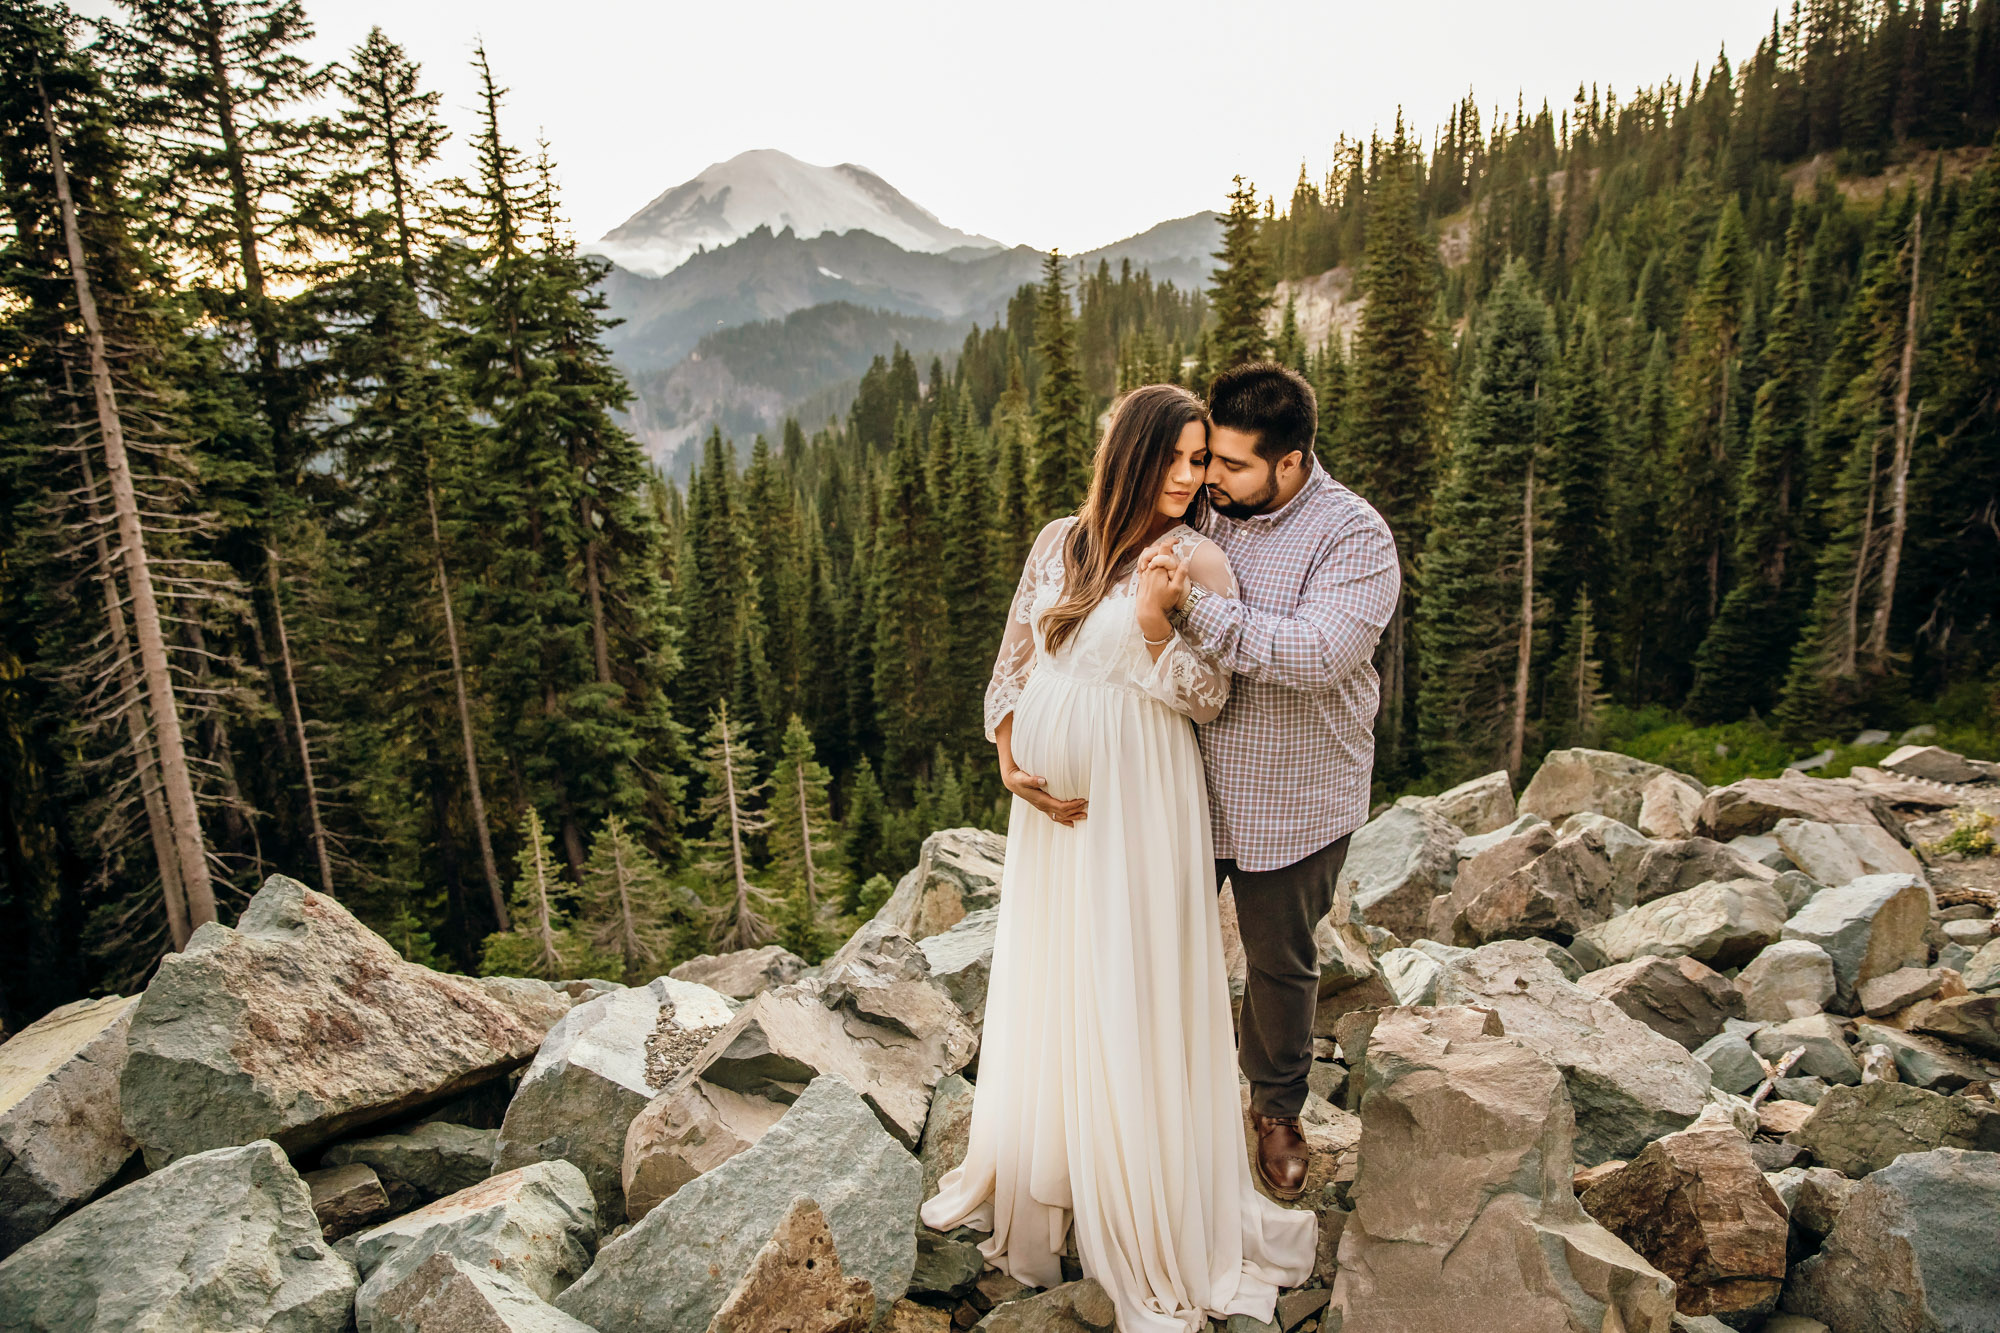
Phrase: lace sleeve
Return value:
(1183, 678)
(1016, 659)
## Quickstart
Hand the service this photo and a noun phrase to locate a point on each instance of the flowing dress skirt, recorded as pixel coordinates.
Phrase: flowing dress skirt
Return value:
(1107, 1094)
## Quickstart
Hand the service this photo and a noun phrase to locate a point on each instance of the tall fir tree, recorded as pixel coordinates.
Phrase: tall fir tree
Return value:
(541, 943)
(1241, 287)
(729, 769)
(630, 912)
(913, 674)
(1470, 622)
(1062, 406)
(805, 847)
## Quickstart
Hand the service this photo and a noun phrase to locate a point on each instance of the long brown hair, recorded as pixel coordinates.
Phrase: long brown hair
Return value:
(1126, 479)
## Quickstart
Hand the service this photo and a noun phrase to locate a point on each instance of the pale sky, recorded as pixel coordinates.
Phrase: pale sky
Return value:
(1070, 124)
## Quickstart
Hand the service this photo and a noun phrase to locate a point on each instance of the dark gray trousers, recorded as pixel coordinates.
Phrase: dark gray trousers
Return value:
(1276, 911)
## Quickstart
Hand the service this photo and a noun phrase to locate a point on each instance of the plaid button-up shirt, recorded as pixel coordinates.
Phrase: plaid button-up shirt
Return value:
(1291, 756)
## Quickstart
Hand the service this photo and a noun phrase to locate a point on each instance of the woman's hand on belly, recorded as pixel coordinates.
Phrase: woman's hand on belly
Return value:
(1034, 791)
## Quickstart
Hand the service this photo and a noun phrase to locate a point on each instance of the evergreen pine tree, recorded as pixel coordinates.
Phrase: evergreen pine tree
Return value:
(729, 768)
(1469, 623)
(542, 942)
(862, 834)
(1743, 657)
(1579, 487)
(1062, 409)
(1240, 292)
(913, 674)
(804, 847)
(632, 913)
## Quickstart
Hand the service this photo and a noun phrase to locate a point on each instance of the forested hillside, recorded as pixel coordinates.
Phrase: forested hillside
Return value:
(322, 549)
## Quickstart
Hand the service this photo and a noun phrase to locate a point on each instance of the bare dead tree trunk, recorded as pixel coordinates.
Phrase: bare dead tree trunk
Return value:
(159, 825)
(479, 825)
(175, 778)
(1850, 642)
(628, 931)
(315, 829)
(545, 931)
(806, 838)
(1518, 741)
(1877, 648)
(746, 921)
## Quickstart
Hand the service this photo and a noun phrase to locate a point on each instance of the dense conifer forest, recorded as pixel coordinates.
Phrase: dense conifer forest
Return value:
(323, 549)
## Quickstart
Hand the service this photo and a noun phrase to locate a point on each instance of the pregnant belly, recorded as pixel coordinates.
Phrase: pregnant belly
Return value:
(1057, 731)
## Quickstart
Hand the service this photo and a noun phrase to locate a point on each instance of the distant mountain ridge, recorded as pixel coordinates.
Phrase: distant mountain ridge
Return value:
(765, 188)
(766, 283)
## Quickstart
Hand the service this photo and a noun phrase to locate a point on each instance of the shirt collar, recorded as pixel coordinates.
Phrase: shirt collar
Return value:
(1314, 480)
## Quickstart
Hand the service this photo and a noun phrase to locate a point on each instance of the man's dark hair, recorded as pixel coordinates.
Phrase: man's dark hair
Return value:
(1271, 402)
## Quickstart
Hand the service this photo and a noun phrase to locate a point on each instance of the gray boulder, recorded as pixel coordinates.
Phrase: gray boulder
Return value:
(1825, 1053)
(347, 1198)
(1924, 1060)
(1668, 806)
(302, 1025)
(1479, 806)
(946, 1131)
(1755, 805)
(1869, 927)
(1596, 780)
(61, 1135)
(1397, 862)
(1913, 1251)
(1474, 843)
(958, 872)
(1463, 1198)
(961, 961)
(533, 1226)
(217, 1240)
(1732, 1064)
(445, 1294)
(592, 1076)
(1724, 924)
(1788, 980)
(1982, 971)
(1932, 763)
(1837, 854)
(1628, 1084)
(1856, 1130)
(1559, 892)
(1625, 845)
(674, 1269)
(429, 1160)
(1073, 1307)
(784, 1039)
(744, 973)
(1685, 863)
(1971, 1021)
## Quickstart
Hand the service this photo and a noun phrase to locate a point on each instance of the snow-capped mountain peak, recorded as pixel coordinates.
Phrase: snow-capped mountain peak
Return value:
(765, 187)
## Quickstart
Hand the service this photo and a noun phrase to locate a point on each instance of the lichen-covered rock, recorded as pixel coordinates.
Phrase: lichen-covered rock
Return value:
(1724, 924)
(61, 1134)
(301, 1025)
(674, 1269)
(1856, 1130)
(1787, 980)
(591, 1077)
(1913, 1251)
(1695, 1205)
(744, 973)
(795, 1284)
(224, 1239)
(1463, 1198)
(1869, 927)
(1599, 781)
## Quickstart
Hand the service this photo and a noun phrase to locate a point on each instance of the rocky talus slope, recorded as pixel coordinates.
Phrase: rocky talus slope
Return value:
(1619, 1052)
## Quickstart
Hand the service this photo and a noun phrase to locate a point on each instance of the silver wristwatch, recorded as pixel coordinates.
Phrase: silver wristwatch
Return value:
(1190, 600)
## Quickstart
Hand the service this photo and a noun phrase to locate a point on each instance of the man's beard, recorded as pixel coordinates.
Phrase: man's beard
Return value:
(1230, 507)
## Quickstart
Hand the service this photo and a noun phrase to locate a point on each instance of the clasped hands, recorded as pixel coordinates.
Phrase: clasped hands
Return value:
(1163, 581)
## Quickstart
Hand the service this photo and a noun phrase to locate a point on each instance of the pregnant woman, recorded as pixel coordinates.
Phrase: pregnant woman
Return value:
(1107, 1099)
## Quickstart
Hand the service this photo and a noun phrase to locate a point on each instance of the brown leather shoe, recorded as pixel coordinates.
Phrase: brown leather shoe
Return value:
(1281, 1154)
